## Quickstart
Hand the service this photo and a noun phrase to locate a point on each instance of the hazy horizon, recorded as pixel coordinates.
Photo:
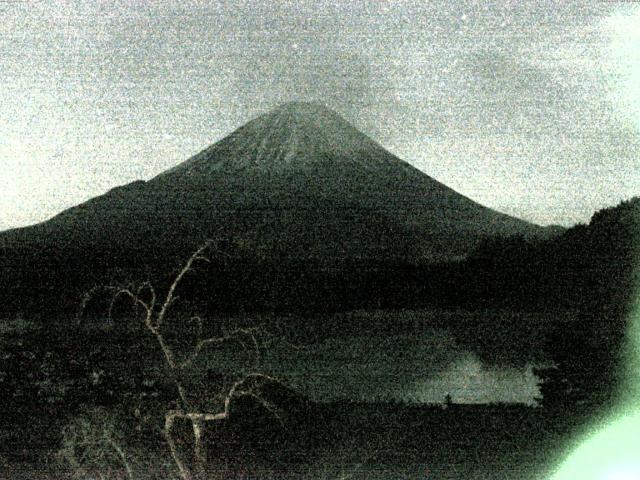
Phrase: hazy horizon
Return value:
(529, 108)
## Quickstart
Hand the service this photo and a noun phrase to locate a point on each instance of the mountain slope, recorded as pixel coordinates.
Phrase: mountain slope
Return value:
(299, 181)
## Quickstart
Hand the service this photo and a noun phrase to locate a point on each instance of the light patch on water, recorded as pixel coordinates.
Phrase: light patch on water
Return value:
(421, 368)
(468, 380)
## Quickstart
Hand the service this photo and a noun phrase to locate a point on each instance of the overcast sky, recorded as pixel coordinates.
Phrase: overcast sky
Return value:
(529, 108)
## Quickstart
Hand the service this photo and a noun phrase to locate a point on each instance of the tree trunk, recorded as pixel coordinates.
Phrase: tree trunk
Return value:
(197, 419)
(185, 474)
(200, 454)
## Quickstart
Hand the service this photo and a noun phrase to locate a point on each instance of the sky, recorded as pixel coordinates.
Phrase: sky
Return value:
(531, 108)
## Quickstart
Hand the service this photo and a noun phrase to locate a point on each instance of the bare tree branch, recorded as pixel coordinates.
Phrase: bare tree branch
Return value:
(147, 286)
(235, 390)
(118, 449)
(144, 296)
(134, 298)
(187, 267)
(169, 419)
(231, 336)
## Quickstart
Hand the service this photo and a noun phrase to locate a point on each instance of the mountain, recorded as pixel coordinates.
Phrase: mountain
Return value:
(299, 182)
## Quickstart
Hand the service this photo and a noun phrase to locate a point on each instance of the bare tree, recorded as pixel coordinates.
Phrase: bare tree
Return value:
(154, 314)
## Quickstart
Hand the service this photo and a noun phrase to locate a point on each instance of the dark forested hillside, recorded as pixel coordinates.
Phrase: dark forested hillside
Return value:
(591, 271)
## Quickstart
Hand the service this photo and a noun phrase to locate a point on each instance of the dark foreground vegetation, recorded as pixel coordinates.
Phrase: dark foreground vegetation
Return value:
(87, 396)
(330, 441)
